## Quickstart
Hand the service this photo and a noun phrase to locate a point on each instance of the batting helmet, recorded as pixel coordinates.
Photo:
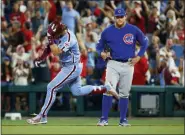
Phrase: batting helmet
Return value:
(56, 28)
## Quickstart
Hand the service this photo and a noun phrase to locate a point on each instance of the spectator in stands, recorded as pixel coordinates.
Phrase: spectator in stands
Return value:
(19, 54)
(171, 17)
(36, 20)
(31, 6)
(16, 35)
(179, 54)
(16, 15)
(71, 17)
(161, 31)
(161, 66)
(106, 12)
(169, 71)
(40, 74)
(167, 49)
(164, 55)
(87, 18)
(6, 72)
(152, 50)
(171, 23)
(39, 7)
(171, 6)
(163, 6)
(175, 75)
(90, 43)
(152, 21)
(179, 30)
(28, 34)
(140, 69)
(4, 30)
(52, 11)
(136, 17)
(20, 73)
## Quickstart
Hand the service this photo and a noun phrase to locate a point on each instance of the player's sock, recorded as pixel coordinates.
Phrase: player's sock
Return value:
(123, 106)
(106, 106)
(98, 89)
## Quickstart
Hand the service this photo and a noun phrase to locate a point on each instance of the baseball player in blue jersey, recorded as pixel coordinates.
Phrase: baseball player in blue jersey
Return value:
(63, 42)
(121, 38)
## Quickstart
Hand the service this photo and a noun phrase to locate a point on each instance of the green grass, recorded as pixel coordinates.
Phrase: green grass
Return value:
(86, 125)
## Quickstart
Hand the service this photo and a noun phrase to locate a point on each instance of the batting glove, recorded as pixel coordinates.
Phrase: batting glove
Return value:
(37, 63)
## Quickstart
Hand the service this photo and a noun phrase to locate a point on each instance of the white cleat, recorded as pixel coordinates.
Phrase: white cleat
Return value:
(37, 120)
(102, 123)
(124, 124)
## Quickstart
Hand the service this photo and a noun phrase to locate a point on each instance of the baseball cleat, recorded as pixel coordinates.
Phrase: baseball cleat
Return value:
(124, 124)
(37, 120)
(110, 90)
(102, 123)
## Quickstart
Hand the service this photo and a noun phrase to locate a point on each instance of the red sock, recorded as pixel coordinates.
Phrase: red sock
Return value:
(98, 91)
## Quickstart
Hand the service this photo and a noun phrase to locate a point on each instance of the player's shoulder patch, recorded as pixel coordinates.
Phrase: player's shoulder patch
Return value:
(128, 38)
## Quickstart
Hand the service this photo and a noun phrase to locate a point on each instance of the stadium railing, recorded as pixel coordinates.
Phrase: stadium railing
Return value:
(164, 97)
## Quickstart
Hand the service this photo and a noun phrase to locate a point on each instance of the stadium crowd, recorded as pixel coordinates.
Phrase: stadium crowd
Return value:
(24, 36)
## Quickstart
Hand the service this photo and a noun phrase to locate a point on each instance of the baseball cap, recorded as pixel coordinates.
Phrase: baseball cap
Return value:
(6, 58)
(119, 12)
(137, 1)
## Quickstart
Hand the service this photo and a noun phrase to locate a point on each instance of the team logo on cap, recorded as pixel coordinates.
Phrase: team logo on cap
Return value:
(128, 38)
(119, 11)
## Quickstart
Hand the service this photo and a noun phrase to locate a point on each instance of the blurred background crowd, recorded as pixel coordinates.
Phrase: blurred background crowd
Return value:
(24, 36)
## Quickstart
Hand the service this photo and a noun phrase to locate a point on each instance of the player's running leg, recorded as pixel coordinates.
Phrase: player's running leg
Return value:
(66, 75)
(112, 77)
(78, 90)
(106, 106)
(124, 89)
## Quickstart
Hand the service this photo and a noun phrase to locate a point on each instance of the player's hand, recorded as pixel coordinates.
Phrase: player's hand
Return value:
(105, 55)
(55, 49)
(37, 62)
(134, 60)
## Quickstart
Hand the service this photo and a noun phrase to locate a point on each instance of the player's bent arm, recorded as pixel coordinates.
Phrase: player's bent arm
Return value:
(100, 46)
(45, 53)
(143, 41)
(55, 49)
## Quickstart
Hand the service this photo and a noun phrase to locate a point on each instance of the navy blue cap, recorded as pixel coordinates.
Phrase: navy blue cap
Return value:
(6, 58)
(119, 12)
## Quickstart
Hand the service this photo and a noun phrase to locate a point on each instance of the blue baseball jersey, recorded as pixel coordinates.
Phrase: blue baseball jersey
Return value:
(68, 43)
(122, 41)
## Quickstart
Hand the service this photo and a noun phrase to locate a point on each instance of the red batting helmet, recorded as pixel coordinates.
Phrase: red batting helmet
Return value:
(56, 28)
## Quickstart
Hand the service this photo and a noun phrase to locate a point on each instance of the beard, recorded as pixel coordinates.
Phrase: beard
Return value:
(119, 25)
